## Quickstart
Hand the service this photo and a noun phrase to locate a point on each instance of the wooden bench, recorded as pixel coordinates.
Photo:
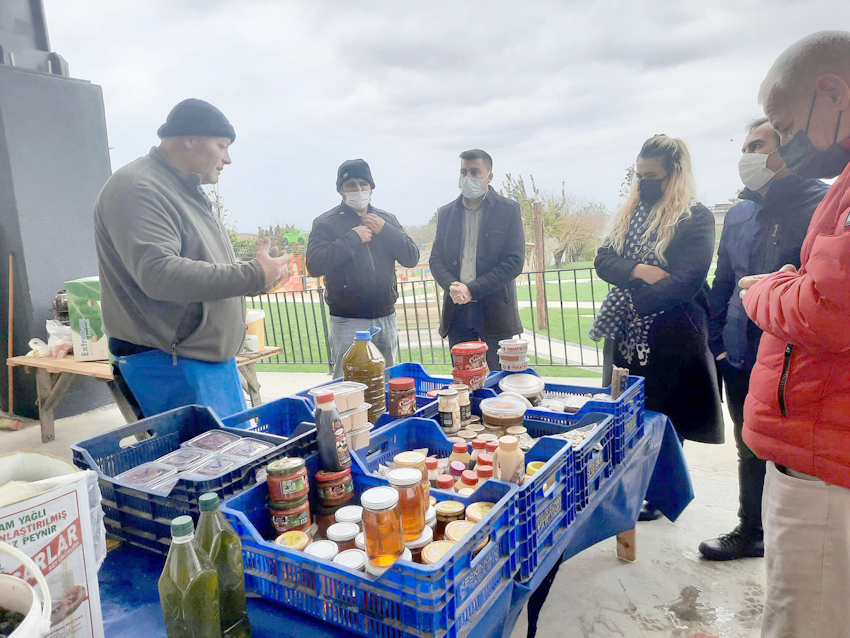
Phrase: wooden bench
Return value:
(54, 376)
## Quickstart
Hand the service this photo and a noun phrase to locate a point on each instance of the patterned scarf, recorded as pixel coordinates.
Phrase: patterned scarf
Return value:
(617, 318)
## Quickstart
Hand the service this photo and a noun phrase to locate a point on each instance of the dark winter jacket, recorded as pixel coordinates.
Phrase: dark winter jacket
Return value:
(360, 278)
(499, 261)
(760, 235)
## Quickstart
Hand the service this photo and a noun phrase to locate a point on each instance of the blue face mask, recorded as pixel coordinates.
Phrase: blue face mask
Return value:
(807, 161)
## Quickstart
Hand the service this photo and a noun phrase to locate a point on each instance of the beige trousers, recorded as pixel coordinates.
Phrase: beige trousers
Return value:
(807, 557)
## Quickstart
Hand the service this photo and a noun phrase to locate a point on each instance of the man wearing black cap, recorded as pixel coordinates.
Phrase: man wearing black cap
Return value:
(355, 247)
(170, 282)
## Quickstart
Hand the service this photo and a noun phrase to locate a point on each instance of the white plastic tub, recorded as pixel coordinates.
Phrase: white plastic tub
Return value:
(17, 595)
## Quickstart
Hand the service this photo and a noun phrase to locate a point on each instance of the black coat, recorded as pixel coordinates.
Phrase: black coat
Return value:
(681, 378)
(499, 261)
(359, 278)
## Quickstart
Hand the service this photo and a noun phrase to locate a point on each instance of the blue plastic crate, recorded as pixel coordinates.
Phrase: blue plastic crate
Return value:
(280, 417)
(143, 517)
(449, 598)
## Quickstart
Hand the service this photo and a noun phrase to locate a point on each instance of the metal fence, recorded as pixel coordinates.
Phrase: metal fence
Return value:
(557, 308)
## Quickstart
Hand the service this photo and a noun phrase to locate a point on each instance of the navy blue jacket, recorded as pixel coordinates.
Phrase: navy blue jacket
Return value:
(760, 235)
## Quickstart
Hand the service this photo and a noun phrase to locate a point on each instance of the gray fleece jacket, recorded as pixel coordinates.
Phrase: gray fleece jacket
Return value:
(168, 276)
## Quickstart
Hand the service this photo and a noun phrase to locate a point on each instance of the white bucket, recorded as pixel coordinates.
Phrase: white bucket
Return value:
(17, 595)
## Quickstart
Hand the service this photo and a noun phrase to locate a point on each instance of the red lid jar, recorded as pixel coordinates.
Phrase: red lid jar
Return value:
(287, 479)
(474, 378)
(469, 355)
(402, 397)
(334, 488)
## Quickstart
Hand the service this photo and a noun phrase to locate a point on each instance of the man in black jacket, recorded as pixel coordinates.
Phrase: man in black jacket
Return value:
(478, 253)
(760, 234)
(355, 247)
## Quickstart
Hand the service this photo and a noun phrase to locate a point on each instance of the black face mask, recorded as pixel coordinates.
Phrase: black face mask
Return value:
(650, 190)
(807, 161)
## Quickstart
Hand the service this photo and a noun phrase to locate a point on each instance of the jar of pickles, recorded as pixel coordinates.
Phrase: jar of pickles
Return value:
(417, 460)
(408, 482)
(382, 529)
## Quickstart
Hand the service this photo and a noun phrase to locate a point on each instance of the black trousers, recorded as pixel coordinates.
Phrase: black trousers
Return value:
(468, 325)
(750, 468)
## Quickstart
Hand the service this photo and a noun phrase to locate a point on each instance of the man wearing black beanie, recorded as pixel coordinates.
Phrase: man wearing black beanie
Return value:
(172, 291)
(355, 246)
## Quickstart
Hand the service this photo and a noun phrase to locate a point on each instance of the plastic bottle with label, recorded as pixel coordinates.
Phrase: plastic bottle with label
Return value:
(509, 461)
(330, 435)
(365, 364)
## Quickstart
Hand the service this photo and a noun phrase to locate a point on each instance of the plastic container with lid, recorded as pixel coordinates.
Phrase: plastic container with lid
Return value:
(435, 551)
(503, 412)
(356, 419)
(402, 397)
(447, 511)
(290, 515)
(343, 535)
(216, 465)
(476, 511)
(478, 446)
(358, 439)
(248, 448)
(515, 366)
(496, 431)
(364, 363)
(417, 460)
(535, 466)
(287, 479)
(147, 473)
(212, 440)
(334, 488)
(486, 458)
(326, 550)
(509, 356)
(460, 452)
(374, 570)
(485, 473)
(513, 345)
(473, 378)
(446, 482)
(487, 437)
(294, 540)
(526, 385)
(509, 461)
(184, 458)
(382, 526)
(431, 467)
(417, 545)
(347, 394)
(469, 355)
(352, 559)
(408, 483)
(456, 468)
(350, 514)
(468, 480)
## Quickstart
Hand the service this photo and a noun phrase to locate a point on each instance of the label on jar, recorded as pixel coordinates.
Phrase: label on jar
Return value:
(466, 413)
(291, 521)
(407, 405)
(447, 420)
(291, 486)
(335, 492)
(341, 445)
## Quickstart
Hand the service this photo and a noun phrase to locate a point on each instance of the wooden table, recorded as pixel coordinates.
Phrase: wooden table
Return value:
(54, 376)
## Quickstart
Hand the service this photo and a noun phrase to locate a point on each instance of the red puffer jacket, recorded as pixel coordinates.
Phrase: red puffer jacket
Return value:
(797, 412)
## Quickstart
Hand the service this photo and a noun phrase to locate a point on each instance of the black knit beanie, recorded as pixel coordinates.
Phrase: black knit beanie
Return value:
(196, 117)
(353, 169)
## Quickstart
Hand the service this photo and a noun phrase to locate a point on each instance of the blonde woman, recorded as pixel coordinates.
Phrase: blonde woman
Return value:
(656, 254)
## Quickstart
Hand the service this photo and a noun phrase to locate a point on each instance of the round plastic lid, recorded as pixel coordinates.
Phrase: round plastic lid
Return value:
(527, 385)
(408, 459)
(182, 526)
(447, 392)
(478, 443)
(208, 502)
(285, 466)
(425, 537)
(445, 481)
(402, 383)
(360, 541)
(325, 397)
(460, 387)
(322, 549)
(351, 558)
(339, 532)
(379, 498)
(484, 471)
(404, 476)
(516, 430)
(349, 514)
(486, 436)
(457, 467)
(362, 335)
(431, 463)
(508, 443)
(485, 458)
(469, 347)
(469, 478)
(503, 406)
(460, 448)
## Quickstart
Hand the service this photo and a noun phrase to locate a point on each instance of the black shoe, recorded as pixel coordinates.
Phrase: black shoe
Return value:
(737, 544)
(648, 512)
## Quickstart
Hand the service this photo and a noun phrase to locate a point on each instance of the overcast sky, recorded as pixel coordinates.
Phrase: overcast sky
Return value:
(564, 91)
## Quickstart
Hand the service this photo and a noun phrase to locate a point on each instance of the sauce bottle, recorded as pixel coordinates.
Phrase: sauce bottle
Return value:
(478, 446)
(509, 461)
(330, 435)
(188, 586)
(431, 467)
(460, 452)
(468, 480)
(365, 364)
(221, 543)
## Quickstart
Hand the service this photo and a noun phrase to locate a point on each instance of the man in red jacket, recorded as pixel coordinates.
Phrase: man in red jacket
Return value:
(797, 414)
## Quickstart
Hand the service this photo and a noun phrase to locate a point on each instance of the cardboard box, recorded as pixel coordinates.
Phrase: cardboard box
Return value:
(90, 341)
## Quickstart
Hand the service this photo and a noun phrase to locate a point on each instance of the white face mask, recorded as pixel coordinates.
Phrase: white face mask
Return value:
(358, 200)
(752, 167)
(472, 187)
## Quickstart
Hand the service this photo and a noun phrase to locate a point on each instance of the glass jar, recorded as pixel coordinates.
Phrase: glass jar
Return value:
(449, 411)
(350, 514)
(334, 488)
(343, 535)
(447, 511)
(290, 515)
(408, 482)
(402, 397)
(382, 526)
(416, 546)
(417, 460)
(287, 480)
(463, 401)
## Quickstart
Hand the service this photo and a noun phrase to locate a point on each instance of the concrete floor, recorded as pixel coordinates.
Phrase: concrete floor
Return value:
(670, 591)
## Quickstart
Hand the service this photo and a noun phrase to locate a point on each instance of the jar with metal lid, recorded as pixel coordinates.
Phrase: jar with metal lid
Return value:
(447, 511)
(456, 530)
(448, 411)
(294, 540)
(463, 402)
(475, 427)
(476, 511)
(326, 550)
(360, 541)
(287, 480)
(350, 514)
(334, 488)
(402, 397)
(352, 559)
(343, 535)
(416, 546)
(382, 528)
(290, 515)
(435, 551)
(408, 483)
(417, 460)
(467, 435)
